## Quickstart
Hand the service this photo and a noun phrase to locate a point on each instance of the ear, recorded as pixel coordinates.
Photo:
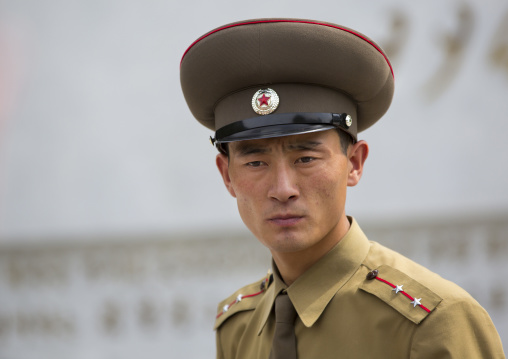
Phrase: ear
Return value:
(223, 165)
(357, 154)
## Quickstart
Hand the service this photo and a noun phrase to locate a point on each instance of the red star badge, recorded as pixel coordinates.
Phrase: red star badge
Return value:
(263, 100)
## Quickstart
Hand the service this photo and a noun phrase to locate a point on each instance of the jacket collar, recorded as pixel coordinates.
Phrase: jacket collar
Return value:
(311, 292)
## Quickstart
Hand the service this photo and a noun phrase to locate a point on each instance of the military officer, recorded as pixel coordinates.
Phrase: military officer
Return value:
(286, 99)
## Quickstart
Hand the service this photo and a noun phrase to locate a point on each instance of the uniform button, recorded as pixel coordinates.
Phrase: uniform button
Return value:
(372, 274)
(263, 285)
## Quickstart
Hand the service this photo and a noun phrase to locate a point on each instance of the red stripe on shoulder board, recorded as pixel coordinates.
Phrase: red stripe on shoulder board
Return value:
(294, 21)
(238, 299)
(403, 292)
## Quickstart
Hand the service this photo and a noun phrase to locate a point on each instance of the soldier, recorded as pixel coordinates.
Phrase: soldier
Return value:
(286, 99)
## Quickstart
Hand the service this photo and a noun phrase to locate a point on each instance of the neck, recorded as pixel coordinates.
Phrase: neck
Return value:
(292, 265)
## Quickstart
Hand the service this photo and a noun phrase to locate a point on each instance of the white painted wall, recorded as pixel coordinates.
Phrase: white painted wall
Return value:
(156, 297)
(96, 141)
(96, 136)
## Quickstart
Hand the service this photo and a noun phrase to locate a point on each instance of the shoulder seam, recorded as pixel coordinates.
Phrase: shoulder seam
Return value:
(366, 266)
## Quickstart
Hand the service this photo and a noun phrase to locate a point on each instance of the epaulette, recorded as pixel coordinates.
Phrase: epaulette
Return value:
(404, 294)
(244, 299)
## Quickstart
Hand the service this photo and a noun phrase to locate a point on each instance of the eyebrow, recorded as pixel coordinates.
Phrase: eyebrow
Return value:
(245, 149)
(304, 146)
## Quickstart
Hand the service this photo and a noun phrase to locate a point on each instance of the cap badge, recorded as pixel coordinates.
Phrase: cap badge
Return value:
(265, 101)
(349, 121)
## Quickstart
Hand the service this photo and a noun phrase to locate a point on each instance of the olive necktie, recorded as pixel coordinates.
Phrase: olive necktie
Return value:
(284, 340)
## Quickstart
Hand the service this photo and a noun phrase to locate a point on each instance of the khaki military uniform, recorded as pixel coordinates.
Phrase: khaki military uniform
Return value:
(361, 300)
(266, 78)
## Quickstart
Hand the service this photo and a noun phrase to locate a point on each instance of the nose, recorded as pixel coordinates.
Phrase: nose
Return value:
(283, 185)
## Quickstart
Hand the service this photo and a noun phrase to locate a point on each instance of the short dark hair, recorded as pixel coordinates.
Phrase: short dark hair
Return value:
(345, 141)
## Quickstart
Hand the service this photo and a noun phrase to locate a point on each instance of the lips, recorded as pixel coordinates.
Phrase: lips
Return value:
(285, 219)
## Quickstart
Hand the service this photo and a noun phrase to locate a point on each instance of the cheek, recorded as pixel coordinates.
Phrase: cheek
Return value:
(247, 195)
(242, 188)
(329, 189)
(250, 209)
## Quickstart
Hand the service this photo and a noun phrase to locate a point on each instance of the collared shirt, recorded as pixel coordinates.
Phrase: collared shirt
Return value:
(311, 292)
(361, 300)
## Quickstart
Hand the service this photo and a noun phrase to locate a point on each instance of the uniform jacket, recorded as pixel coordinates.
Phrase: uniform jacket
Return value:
(361, 300)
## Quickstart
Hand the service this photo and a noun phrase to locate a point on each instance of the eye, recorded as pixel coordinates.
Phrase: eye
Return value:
(255, 164)
(305, 159)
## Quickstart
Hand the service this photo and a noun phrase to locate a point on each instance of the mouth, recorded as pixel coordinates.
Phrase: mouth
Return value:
(285, 220)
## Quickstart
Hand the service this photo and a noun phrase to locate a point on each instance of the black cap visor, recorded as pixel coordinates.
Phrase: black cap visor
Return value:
(279, 125)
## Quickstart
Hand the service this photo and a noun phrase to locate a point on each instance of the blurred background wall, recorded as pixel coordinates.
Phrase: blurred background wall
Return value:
(117, 238)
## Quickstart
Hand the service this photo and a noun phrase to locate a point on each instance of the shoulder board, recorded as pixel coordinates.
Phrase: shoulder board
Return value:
(404, 294)
(243, 299)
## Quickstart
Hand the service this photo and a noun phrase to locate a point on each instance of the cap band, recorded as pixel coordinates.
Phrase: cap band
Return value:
(294, 99)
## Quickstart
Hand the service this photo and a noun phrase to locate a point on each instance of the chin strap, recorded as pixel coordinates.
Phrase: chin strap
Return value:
(272, 126)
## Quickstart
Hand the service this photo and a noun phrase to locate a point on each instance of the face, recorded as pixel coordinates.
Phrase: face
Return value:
(291, 191)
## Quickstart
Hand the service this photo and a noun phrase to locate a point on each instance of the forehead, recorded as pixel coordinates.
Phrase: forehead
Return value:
(328, 138)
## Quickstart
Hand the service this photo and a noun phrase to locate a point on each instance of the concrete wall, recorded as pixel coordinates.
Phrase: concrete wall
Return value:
(98, 152)
(96, 138)
(157, 297)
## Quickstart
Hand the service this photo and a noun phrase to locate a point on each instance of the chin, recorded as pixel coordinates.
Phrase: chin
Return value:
(286, 243)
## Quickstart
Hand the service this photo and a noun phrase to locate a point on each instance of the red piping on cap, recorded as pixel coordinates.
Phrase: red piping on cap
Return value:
(295, 21)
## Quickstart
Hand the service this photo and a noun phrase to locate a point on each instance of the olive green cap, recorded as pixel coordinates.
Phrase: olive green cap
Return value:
(277, 77)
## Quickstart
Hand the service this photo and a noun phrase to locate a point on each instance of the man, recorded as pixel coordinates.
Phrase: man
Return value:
(287, 99)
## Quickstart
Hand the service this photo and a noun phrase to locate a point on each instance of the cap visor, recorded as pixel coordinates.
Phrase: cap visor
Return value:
(275, 131)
